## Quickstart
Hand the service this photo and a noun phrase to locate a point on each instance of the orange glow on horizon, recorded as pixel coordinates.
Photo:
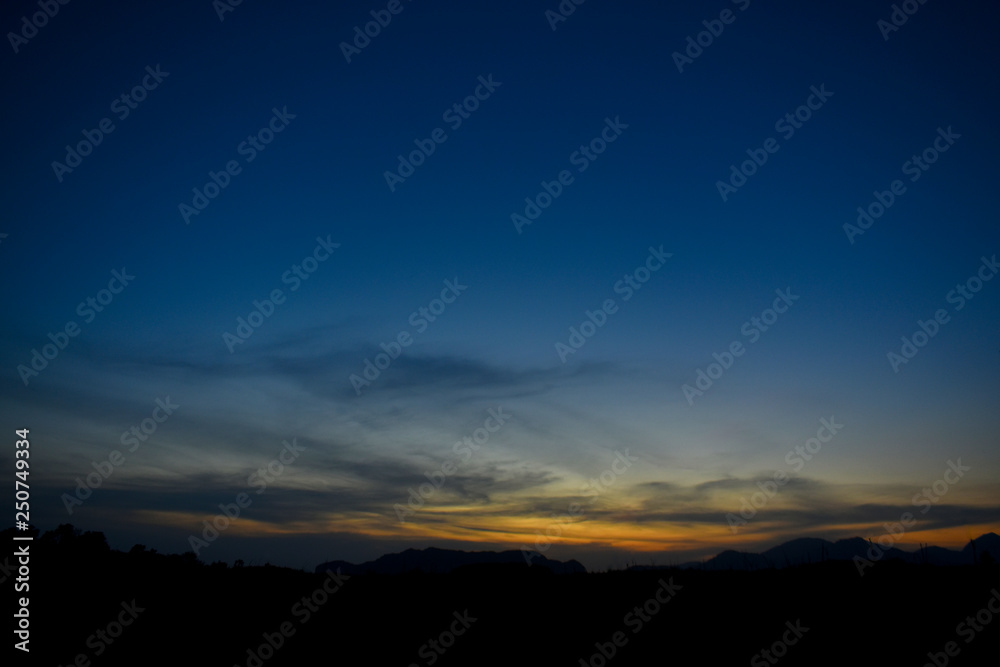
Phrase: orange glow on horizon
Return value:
(465, 524)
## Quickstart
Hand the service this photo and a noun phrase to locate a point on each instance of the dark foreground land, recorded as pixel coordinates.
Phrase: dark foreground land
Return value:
(93, 606)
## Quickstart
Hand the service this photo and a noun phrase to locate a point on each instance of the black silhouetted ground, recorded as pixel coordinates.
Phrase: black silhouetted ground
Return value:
(188, 613)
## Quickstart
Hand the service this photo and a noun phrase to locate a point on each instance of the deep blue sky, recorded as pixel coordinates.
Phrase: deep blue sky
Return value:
(323, 176)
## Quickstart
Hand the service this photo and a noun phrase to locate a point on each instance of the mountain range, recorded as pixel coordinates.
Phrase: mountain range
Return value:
(800, 551)
(814, 550)
(442, 561)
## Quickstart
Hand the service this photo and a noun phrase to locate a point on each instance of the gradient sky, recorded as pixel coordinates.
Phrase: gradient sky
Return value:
(494, 347)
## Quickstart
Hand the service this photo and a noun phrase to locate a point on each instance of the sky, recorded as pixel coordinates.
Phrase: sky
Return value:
(636, 282)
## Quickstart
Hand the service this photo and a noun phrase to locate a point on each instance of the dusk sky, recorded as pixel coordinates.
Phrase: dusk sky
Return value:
(557, 222)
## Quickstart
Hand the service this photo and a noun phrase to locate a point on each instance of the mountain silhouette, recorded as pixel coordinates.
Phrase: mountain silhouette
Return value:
(805, 550)
(443, 561)
(800, 551)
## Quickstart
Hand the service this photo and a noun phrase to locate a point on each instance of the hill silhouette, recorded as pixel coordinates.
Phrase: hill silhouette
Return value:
(806, 550)
(443, 561)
